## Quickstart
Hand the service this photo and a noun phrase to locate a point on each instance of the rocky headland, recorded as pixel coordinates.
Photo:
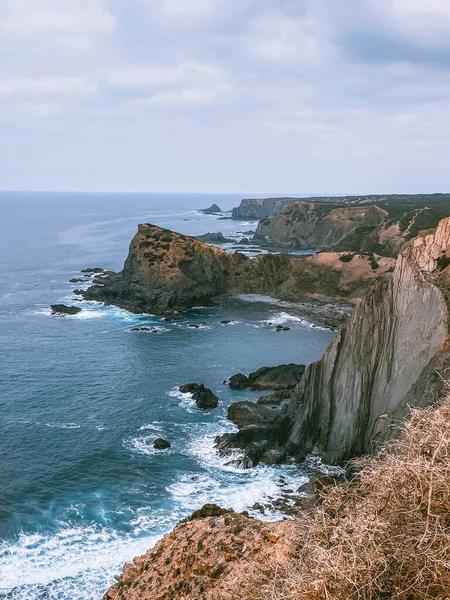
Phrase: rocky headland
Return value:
(391, 354)
(167, 272)
(368, 224)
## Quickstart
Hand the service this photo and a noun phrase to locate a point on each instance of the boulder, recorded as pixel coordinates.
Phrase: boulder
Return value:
(161, 444)
(281, 377)
(238, 381)
(188, 388)
(63, 309)
(93, 270)
(78, 292)
(275, 398)
(226, 321)
(209, 510)
(77, 280)
(204, 398)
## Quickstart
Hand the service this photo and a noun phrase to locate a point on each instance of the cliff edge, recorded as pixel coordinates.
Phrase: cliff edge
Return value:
(391, 354)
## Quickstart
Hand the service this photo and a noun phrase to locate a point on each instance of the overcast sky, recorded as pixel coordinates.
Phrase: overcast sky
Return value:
(292, 96)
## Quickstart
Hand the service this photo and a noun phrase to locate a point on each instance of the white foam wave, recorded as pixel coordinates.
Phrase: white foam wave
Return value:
(143, 444)
(76, 562)
(63, 425)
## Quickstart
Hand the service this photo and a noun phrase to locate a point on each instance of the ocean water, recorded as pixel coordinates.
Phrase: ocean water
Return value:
(82, 398)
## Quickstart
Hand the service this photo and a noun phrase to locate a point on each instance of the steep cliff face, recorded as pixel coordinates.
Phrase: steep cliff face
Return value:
(391, 354)
(166, 271)
(352, 224)
(318, 225)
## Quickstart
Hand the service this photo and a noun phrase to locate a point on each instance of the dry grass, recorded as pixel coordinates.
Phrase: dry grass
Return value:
(385, 536)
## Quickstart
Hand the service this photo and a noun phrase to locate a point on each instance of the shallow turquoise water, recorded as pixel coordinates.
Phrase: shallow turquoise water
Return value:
(82, 398)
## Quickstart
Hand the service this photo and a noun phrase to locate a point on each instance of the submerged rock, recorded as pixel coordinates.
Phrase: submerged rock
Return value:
(63, 309)
(161, 444)
(174, 318)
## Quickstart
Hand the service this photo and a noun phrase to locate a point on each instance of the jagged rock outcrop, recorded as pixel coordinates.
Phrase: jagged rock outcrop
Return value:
(211, 210)
(63, 310)
(317, 224)
(391, 354)
(259, 208)
(214, 238)
(281, 377)
(209, 558)
(167, 271)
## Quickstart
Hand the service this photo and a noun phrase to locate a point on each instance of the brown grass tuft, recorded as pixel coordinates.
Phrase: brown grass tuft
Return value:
(386, 535)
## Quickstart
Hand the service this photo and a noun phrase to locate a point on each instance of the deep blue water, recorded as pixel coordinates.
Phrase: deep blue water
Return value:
(82, 398)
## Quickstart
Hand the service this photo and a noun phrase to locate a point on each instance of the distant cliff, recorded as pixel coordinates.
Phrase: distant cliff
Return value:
(305, 224)
(392, 353)
(260, 208)
(167, 271)
(383, 225)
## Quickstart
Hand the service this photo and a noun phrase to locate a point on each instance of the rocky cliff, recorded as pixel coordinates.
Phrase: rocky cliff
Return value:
(318, 225)
(259, 208)
(367, 224)
(166, 271)
(392, 353)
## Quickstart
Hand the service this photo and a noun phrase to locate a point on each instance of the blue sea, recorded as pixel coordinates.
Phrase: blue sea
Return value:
(82, 398)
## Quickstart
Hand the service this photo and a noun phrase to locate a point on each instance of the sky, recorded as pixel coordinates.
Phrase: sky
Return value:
(249, 96)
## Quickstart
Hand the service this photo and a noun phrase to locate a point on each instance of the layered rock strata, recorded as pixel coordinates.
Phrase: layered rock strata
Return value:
(391, 354)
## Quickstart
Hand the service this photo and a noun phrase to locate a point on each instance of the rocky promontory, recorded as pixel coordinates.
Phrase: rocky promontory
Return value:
(166, 271)
(393, 353)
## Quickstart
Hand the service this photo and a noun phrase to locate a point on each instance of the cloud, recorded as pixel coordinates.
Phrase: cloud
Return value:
(47, 85)
(163, 75)
(275, 95)
(75, 25)
(278, 37)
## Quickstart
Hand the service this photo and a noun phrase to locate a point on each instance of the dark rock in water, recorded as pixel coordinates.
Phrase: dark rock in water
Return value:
(275, 398)
(209, 510)
(174, 318)
(94, 270)
(244, 414)
(205, 398)
(194, 326)
(78, 292)
(188, 388)
(226, 321)
(214, 238)
(161, 444)
(63, 309)
(281, 377)
(77, 280)
(281, 328)
(140, 329)
(275, 456)
(244, 241)
(238, 381)
(263, 432)
(211, 210)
